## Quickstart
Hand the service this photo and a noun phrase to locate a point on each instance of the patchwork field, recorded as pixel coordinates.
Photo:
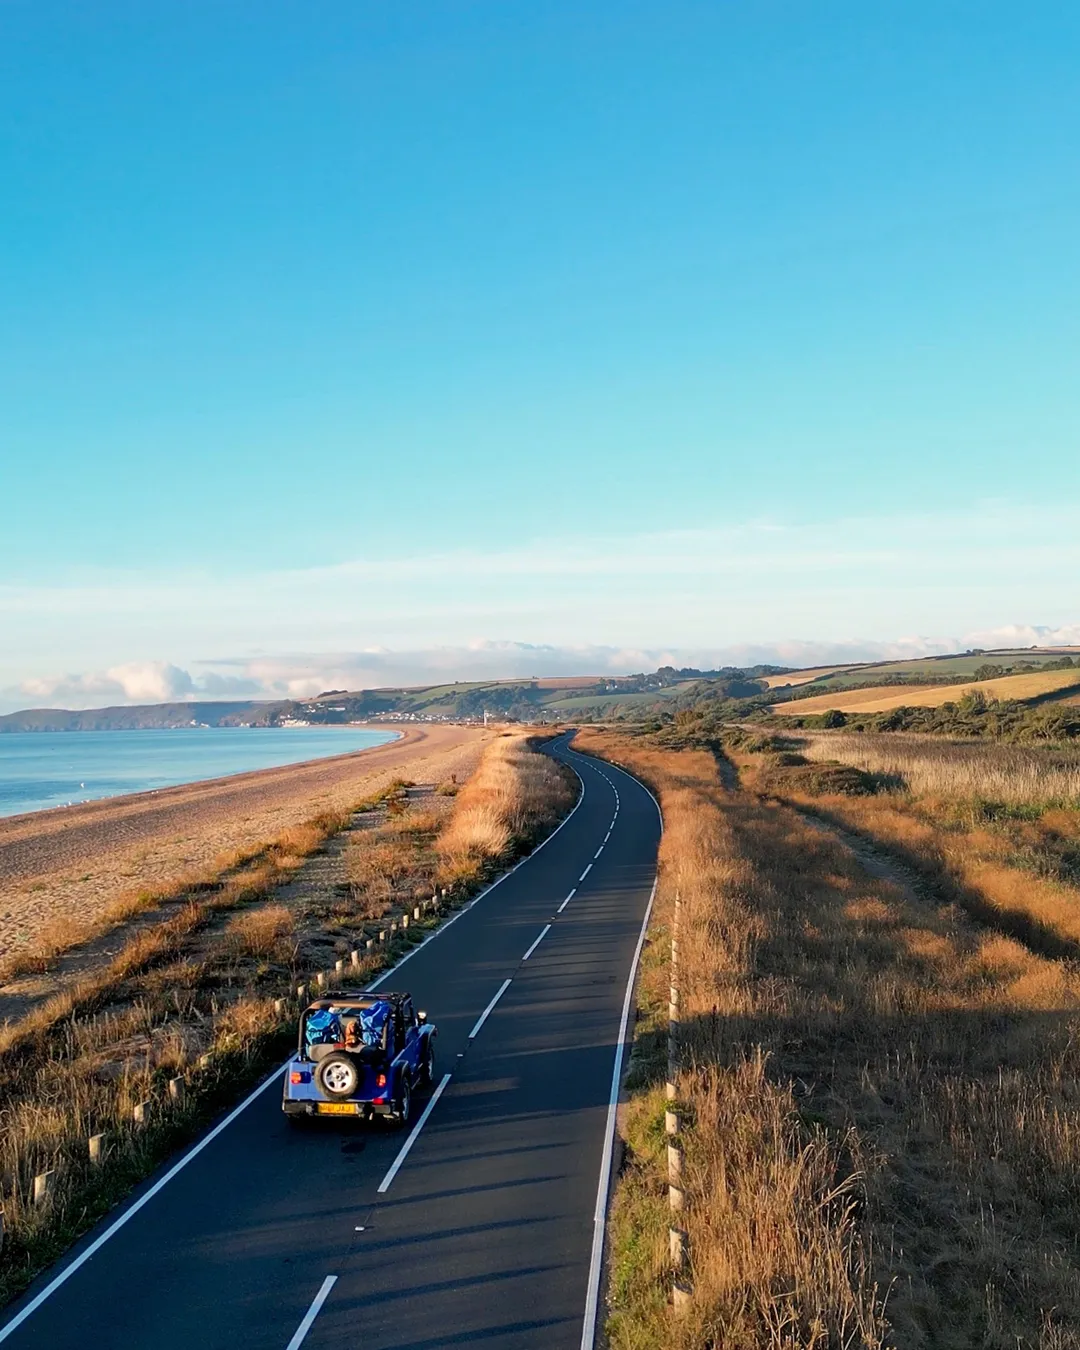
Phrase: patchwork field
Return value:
(1022, 688)
(963, 664)
(796, 677)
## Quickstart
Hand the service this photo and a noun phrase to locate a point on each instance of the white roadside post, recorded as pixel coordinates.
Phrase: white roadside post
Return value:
(682, 1289)
(44, 1183)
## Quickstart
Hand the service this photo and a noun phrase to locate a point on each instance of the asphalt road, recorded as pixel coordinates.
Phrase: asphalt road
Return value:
(486, 1234)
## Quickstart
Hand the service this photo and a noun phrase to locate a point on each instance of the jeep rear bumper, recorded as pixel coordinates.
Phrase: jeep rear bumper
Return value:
(338, 1110)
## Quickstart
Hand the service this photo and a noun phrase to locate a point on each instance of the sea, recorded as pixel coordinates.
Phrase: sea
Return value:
(43, 769)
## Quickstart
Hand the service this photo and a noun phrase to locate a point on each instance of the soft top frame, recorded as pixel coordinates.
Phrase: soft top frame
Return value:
(359, 1001)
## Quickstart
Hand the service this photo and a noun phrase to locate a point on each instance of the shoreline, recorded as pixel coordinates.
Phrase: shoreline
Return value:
(69, 808)
(84, 857)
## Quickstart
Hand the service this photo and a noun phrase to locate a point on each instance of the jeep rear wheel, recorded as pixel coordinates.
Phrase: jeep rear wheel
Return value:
(404, 1105)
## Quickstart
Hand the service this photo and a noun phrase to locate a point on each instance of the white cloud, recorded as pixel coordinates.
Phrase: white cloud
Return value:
(302, 675)
(132, 682)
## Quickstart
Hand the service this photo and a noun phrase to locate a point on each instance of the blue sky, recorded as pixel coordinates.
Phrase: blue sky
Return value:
(612, 330)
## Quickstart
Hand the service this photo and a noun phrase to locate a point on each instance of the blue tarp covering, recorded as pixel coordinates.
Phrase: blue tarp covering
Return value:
(324, 1027)
(372, 1021)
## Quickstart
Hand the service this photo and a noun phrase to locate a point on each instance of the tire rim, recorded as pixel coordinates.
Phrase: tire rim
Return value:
(338, 1078)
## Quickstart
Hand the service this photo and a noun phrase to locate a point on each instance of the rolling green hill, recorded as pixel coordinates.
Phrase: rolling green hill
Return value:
(537, 700)
(664, 695)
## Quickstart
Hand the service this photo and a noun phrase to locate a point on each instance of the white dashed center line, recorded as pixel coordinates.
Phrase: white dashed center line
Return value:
(584, 874)
(487, 1011)
(566, 901)
(311, 1314)
(384, 1185)
(543, 934)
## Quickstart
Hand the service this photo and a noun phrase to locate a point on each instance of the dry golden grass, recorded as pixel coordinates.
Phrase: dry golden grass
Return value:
(515, 795)
(1018, 868)
(242, 875)
(978, 769)
(259, 932)
(885, 697)
(396, 862)
(882, 1097)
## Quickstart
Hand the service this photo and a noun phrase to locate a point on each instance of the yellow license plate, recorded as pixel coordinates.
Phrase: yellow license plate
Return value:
(336, 1109)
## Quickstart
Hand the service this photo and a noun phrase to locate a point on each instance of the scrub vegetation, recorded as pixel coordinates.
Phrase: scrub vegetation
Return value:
(994, 829)
(202, 997)
(1018, 777)
(881, 1082)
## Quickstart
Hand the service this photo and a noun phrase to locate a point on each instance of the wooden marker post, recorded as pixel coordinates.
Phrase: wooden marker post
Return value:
(678, 1248)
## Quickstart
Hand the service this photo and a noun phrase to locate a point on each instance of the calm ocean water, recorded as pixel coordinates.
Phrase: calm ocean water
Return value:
(41, 768)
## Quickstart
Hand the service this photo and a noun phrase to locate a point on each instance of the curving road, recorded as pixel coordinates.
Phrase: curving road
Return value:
(479, 1227)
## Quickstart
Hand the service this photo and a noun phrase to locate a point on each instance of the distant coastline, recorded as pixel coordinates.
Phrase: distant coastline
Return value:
(142, 717)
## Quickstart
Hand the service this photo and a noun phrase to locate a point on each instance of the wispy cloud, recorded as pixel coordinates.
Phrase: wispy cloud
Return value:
(760, 590)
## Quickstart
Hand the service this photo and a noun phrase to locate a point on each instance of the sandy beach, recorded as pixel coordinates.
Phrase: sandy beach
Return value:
(80, 859)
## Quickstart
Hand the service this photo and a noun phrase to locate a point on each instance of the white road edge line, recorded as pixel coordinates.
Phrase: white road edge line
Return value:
(566, 901)
(130, 1212)
(384, 1185)
(484, 1015)
(592, 1297)
(117, 1224)
(585, 874)
(590, 759)
(543, 935)
(311, 1314)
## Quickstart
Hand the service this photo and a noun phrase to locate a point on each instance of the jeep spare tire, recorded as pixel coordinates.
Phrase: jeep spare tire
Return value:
(337, 1075)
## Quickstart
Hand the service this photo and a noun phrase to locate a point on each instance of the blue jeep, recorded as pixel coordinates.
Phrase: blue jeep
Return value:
(359, 1055)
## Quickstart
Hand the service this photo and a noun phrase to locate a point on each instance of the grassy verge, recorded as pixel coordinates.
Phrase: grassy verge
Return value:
(204, 996)
(881, 1095)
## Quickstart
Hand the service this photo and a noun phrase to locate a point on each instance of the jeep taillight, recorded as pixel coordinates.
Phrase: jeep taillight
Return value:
(381, 1080)
(295, 1077)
